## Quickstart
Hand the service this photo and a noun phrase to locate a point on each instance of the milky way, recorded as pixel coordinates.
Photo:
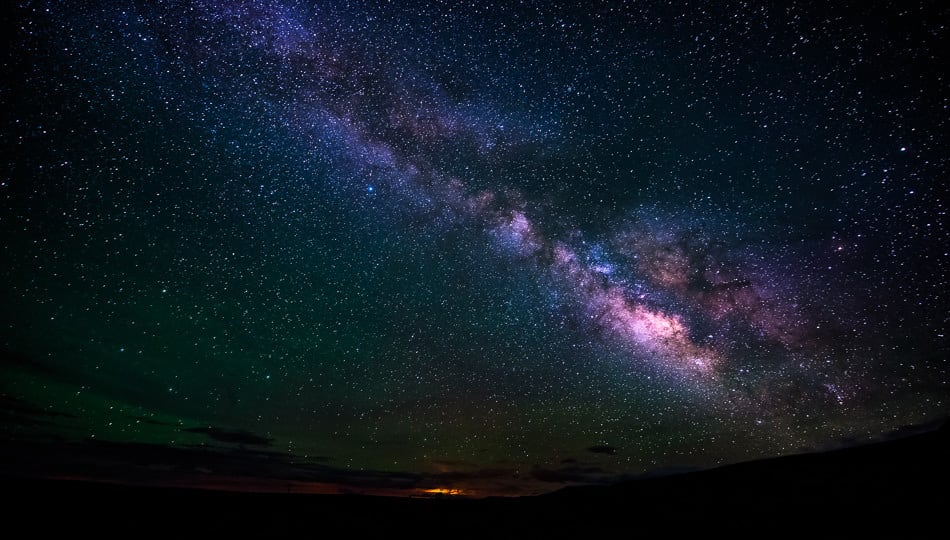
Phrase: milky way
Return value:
(485, 248)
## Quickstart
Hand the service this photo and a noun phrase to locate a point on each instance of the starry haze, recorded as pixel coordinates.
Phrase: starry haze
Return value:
(392, 247)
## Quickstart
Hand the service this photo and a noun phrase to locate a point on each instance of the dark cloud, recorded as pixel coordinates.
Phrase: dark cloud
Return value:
(19, 406)
(228, 436)
(477, 474)
(571, 474)
(664, 471)
(602, 449)
(248, 452)
(18, 412)
(453, 463)
(12, 360)
(155, 463)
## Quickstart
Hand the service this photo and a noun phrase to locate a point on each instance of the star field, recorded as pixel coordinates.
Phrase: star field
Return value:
(476, 247)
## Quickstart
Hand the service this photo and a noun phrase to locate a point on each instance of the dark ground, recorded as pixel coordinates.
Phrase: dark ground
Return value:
(895, 487)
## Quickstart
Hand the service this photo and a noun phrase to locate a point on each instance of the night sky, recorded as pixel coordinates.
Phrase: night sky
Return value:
(491, 248)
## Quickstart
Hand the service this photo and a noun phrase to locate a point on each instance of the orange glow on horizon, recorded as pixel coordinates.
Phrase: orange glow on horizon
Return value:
(445, 491)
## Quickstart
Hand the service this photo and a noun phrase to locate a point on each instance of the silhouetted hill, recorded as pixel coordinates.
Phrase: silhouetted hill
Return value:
(845, 474)
(896, 486)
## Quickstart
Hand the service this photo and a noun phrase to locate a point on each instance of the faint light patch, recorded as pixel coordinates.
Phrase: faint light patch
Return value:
(836, 391)
(516, 234)
(598, 262)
